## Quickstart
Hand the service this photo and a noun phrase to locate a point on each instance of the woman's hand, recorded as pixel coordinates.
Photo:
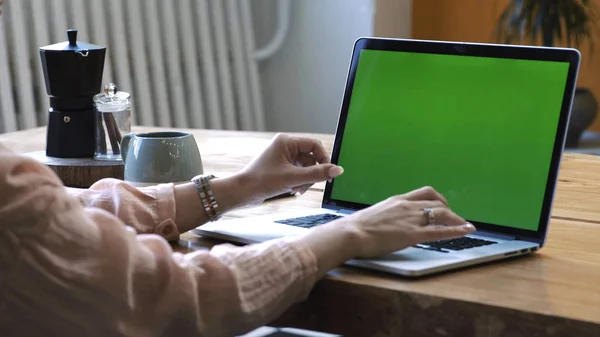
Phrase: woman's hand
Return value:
(391, 225)
(289, 164)
(401, 221)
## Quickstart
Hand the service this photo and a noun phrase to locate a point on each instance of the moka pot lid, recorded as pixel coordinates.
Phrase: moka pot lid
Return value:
(72, 45)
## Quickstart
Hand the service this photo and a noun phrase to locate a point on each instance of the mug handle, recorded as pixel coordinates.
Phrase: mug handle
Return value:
(125, 145)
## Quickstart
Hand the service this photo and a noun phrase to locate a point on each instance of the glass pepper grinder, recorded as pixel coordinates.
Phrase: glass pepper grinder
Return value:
(113, 121)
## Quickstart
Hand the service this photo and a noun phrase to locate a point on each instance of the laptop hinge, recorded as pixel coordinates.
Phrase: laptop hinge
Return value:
(338, 209)
(495, 235)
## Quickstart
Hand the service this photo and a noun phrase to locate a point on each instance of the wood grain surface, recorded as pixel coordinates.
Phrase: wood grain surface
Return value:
(80, 172)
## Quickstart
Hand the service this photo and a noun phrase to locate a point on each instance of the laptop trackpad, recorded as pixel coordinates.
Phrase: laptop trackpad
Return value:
(409, 259)
(415, 254)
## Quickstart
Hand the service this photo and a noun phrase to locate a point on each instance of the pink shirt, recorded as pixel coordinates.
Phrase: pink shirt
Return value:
(96, 263)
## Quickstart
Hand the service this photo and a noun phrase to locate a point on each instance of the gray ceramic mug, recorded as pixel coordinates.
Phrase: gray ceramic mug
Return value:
(160, 157)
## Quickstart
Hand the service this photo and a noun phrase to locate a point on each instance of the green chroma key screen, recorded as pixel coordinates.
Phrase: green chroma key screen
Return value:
(479, 130)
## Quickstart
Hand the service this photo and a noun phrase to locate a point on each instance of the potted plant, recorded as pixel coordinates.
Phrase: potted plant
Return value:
(548, 22)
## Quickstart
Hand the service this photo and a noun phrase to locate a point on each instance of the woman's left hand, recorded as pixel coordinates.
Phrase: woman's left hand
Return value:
(289, 164)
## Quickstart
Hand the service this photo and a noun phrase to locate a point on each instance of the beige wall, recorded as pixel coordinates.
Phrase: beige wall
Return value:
(393, 18)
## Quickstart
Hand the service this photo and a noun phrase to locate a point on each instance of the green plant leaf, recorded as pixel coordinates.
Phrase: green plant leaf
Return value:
(549, 22)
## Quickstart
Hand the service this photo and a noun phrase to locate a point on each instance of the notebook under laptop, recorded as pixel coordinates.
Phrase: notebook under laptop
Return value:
(483, 124)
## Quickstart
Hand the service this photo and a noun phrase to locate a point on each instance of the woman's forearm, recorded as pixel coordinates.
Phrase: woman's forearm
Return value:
(148, 208)
(332, 244)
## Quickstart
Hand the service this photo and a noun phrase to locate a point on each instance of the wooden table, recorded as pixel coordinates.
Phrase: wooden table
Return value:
(555, 292)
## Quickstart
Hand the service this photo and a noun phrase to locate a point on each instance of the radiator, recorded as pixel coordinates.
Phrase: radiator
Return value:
(187, 63)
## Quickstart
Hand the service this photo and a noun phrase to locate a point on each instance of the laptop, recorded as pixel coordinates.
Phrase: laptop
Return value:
(483, 124)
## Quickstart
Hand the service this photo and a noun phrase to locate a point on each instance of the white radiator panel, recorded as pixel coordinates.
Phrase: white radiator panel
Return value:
(187, 63)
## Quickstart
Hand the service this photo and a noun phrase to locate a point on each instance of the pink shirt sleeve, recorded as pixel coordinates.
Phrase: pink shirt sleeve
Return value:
(71, 266)
(147, 209)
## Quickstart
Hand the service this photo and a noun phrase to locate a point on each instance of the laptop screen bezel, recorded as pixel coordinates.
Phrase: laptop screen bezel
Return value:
(569, 55)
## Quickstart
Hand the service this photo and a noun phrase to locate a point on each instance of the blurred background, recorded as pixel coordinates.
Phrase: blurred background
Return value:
(276, 65)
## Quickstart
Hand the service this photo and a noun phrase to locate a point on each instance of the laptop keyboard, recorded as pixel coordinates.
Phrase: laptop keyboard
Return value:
(310, 221)
(445, 246)
(442, 246)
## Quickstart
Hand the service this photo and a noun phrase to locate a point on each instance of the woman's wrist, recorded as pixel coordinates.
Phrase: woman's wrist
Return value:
(233, 191)
(229, 192)
(332, 244)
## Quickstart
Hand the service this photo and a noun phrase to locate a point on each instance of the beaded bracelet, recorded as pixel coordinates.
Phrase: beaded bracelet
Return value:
(204, 189)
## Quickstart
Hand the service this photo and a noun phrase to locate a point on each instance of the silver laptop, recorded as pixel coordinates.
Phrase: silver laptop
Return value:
(483, 124)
